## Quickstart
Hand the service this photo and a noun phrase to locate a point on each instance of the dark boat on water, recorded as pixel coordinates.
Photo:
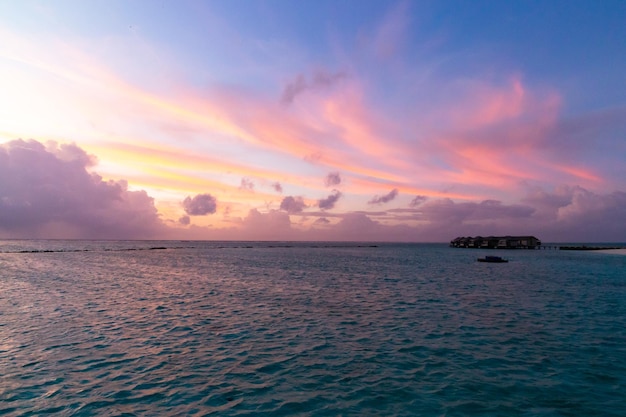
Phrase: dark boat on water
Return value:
(492, 259)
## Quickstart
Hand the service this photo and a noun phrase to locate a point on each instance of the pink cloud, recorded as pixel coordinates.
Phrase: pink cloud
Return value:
(361, 129)
(329, 202)
(332, 179)
(482, 105)
(47, 192)
(482, 142)
(200, 205)
(273, 225)
(51, 194)
(247, 185)
(384, 198)
(487, 137)
(292, 204)
(277, 187)
(418, 200)
(335, 130)
(568, 214)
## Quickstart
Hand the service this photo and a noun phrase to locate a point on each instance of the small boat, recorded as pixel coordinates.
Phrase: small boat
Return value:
(493, 259)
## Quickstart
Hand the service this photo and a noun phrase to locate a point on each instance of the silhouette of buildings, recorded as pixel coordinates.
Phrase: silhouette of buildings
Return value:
(497, 242)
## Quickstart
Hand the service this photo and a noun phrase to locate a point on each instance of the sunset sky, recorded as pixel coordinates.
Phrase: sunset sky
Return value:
(313, 120)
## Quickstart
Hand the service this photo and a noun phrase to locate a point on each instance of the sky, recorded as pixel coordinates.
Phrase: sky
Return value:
(327, 120)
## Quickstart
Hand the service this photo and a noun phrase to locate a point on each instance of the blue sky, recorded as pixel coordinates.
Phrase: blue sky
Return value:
(507, 117)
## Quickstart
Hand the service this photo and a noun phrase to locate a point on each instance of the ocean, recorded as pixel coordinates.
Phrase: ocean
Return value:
(169, 328)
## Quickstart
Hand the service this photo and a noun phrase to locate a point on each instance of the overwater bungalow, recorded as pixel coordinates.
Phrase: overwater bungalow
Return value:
(497, 242)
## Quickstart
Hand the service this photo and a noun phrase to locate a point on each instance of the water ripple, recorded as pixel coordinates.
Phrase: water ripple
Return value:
(243, 329)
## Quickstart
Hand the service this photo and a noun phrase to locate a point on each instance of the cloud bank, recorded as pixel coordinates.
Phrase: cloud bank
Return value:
(47, 192)
(487, 136)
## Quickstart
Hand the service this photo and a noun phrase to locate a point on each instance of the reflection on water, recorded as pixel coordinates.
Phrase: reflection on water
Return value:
(232, 328)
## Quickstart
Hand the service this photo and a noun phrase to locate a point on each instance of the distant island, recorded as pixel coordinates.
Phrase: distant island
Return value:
(497, 242)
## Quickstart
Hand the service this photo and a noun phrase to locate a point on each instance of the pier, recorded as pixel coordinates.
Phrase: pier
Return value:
(549, 247)
(584, 247)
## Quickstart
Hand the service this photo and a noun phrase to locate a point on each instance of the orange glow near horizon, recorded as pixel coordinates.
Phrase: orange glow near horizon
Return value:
(175, 122)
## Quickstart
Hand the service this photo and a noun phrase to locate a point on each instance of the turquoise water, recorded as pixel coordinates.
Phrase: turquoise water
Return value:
(249, 328)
